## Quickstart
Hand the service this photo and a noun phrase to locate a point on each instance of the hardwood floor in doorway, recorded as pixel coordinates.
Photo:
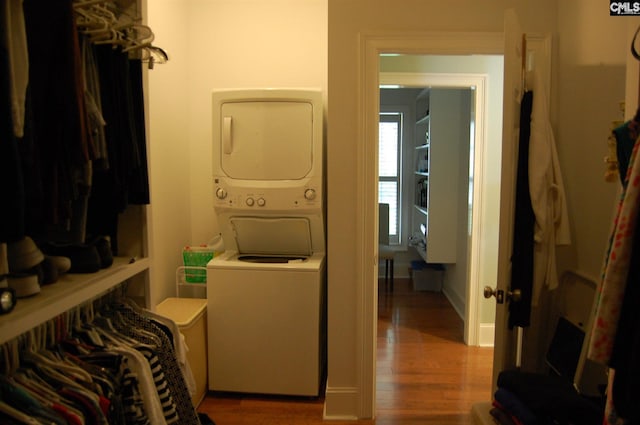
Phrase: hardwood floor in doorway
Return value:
(425, 373)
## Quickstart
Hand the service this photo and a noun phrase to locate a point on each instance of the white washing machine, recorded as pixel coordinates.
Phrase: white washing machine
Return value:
(266, 325)
(266, 294)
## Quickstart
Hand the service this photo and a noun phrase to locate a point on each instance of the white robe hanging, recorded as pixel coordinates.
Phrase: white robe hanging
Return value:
(547, 194)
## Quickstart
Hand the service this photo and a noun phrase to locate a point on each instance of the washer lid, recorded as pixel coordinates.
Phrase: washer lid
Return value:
(272, 236)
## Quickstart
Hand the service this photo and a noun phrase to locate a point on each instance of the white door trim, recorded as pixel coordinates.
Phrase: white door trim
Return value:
(371, 45)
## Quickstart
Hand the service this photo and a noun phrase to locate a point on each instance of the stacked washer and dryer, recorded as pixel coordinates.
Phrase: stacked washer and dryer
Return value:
(266, 292)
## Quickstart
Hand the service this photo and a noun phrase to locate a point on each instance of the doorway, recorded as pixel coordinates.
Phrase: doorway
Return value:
(372, 46)
(472, 258)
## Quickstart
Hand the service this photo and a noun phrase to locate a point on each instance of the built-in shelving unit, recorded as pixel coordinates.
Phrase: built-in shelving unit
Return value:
(420, 214)
(132, 266)
(436, 159)
(69, 291)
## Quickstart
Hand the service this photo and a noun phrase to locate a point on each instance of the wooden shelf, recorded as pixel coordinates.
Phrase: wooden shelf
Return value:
(69, 291)
(423, 120)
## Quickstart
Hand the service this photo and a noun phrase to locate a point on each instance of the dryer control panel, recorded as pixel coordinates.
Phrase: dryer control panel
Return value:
(267, 199)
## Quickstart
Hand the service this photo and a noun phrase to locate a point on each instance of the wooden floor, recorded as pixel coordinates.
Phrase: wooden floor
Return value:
(425, 373)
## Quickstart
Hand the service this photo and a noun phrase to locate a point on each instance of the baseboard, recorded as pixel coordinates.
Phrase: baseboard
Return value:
(341, 403)
(487, 333)
(456, 302)
(480, 413)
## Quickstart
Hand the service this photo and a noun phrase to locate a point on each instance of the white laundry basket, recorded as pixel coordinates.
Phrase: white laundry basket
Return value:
(190, 316)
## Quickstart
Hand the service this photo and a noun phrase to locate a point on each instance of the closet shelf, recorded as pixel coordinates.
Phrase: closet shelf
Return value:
(68, 292)
(422, 210)
(423, 120)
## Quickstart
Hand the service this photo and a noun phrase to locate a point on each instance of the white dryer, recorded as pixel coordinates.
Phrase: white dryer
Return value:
(266, 293)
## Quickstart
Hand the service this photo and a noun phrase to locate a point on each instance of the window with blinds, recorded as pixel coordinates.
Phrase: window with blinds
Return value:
(390, 170)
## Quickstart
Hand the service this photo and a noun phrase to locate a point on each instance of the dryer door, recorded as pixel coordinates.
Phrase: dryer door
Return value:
(266, 140)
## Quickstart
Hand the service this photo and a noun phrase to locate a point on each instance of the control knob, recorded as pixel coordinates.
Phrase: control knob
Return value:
(310, 194)
(221, 193)
(261, 202)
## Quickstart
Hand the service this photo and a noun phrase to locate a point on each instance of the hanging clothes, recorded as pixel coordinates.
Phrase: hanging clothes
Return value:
(57, 100)
(611, 288)
(547, 194)
(12, 225)
(131, 322)
(120, 367)
(615, 338)
(125, 180)
(524, 219)
(15, 41)
(541, 216)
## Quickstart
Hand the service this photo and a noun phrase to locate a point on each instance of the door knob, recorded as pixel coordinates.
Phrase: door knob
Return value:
(489, 292)
(515, 295)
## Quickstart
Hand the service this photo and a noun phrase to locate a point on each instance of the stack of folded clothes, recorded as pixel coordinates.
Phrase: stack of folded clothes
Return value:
(534, 399)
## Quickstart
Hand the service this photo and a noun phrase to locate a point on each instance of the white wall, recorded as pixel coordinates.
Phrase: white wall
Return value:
(168, 146)
(215, 44)
(245, 43)
(456, 275)
(591, 54)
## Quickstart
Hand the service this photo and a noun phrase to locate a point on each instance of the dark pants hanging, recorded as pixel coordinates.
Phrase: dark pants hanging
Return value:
(11, 186)
(524, 220)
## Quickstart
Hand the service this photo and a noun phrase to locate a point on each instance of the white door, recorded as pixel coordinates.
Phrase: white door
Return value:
(505, 339)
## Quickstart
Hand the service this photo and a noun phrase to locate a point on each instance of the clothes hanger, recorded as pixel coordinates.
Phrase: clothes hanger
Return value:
(38, 387)
(124, 322)
(17, 414)
(86, 3)
(40, 359)
(523, 65)
(37, 352)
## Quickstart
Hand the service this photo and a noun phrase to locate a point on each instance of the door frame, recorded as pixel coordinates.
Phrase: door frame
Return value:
(370, 47)
(477, 82)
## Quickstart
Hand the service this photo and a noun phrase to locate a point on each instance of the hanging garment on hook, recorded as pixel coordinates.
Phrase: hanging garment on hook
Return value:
(547, 194)
(522, 256)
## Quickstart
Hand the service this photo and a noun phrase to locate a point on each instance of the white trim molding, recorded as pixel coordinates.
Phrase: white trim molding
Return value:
(371, 45)
(487, 334)
(342, 402)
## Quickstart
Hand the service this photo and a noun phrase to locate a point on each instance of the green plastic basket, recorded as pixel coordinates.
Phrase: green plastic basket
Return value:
(196, 256)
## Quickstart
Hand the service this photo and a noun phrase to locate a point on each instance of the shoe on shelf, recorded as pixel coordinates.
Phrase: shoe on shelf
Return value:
(103, 246)
(23, 255)
(83, 258)
(24, 284)
(52, 267)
